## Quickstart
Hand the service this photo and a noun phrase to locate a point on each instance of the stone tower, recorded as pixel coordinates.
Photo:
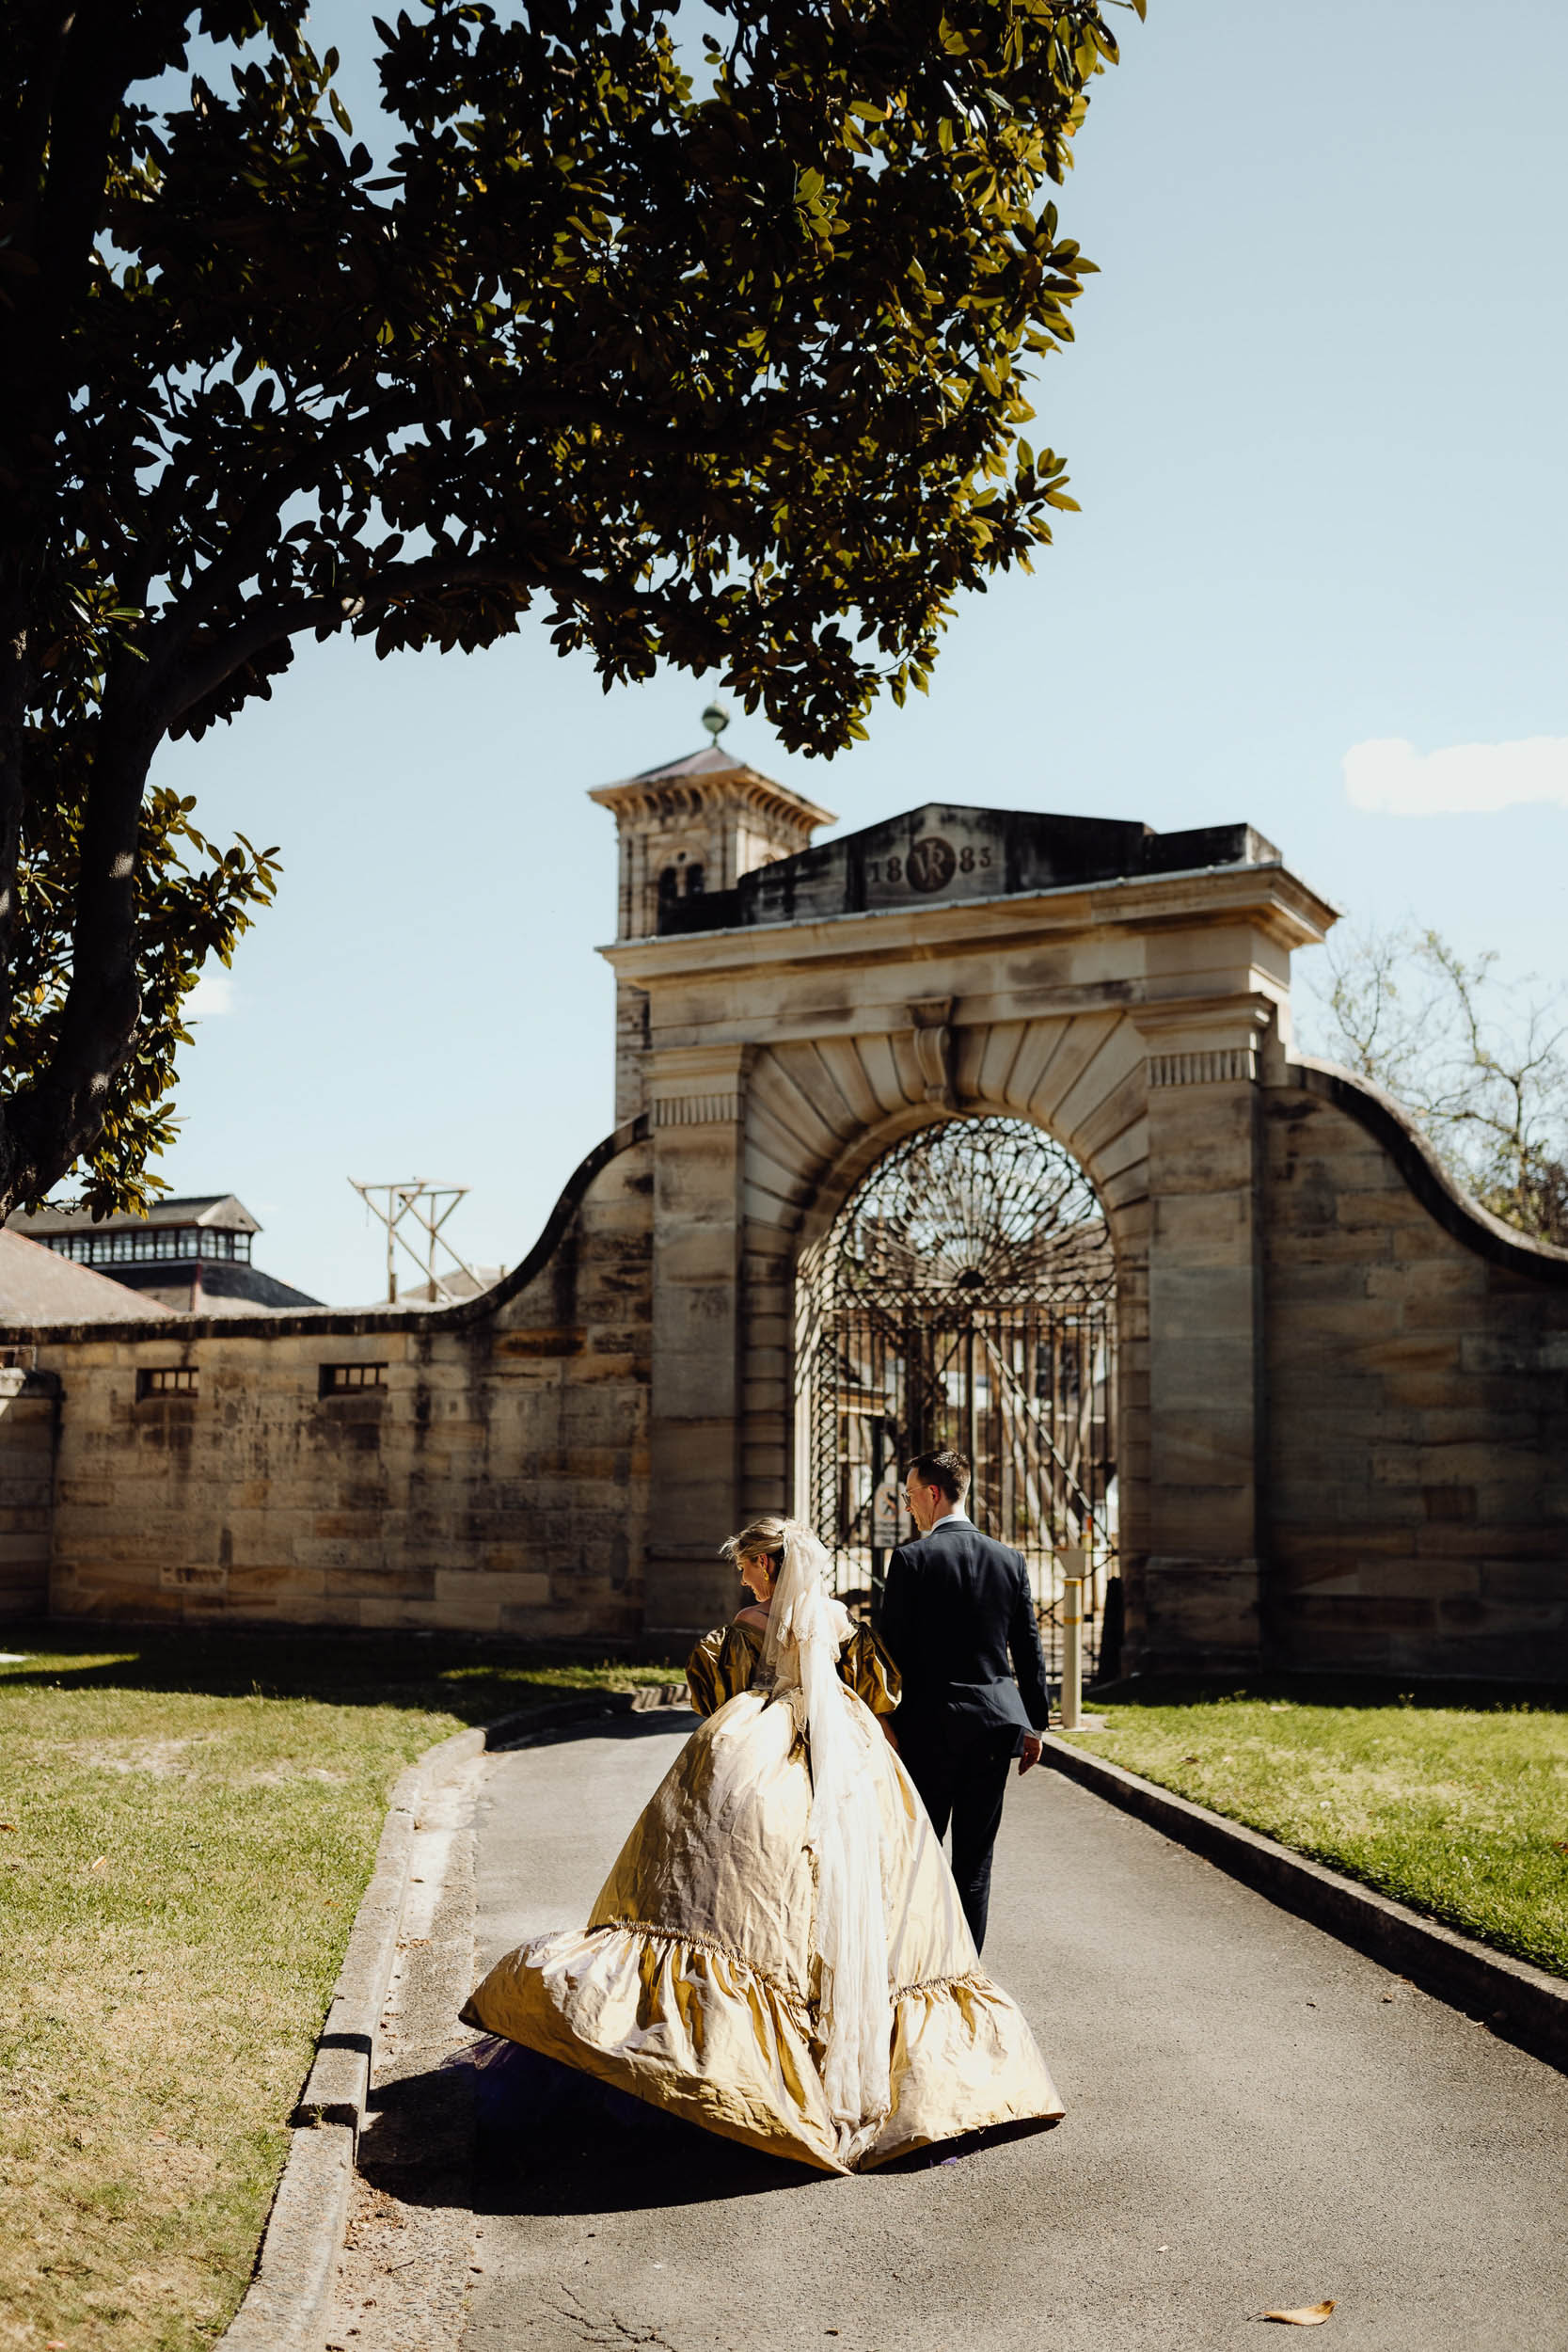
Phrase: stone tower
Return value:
(687, 831)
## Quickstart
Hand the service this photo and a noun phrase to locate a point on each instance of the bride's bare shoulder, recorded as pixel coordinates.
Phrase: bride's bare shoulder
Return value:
(755, 1620)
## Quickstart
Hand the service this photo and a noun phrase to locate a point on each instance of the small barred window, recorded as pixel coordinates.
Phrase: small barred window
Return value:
(170, 1380)
(349, 1380)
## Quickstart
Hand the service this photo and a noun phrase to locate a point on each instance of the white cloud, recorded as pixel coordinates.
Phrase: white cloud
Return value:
(1393, 779)
(212, 997)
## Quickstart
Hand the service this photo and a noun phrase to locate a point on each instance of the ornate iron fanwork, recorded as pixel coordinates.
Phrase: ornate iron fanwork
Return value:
(966, 1296)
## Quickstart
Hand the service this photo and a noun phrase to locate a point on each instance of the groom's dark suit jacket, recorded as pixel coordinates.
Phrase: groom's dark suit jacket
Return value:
(955, 1608)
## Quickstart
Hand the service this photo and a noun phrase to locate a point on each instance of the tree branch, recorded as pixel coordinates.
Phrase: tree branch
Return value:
(255, 530)
(176, 685)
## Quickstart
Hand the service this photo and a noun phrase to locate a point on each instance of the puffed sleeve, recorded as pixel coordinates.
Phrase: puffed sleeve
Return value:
(701, 1672)
(722, 1664)
(870, 1673)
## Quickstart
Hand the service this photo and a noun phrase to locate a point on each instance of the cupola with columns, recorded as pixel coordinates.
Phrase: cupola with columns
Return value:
(691, 827)
(695, 825)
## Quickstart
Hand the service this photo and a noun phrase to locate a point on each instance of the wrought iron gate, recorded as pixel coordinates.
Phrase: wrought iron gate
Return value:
(966, 1296)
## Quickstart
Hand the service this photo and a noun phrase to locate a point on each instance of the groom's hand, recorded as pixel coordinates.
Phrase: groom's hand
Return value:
(1031, 1752)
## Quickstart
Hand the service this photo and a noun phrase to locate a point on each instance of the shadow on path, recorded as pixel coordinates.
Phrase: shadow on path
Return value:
(580, 2148)
(575, 2147)
(656, 1722)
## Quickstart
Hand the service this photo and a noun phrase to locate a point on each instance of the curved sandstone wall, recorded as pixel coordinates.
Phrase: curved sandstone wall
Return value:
(1416, 1379)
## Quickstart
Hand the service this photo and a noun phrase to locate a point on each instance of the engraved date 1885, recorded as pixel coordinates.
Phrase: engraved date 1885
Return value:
(931, 864)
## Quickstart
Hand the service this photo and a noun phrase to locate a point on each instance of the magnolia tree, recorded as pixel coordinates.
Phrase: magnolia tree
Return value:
(713, 360)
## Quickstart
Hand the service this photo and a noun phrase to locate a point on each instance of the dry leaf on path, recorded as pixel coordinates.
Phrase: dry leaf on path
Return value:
(1304, 2315)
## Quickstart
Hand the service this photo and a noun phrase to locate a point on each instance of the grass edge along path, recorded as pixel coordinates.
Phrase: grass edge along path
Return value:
(190, 1820)
(1453, 1804)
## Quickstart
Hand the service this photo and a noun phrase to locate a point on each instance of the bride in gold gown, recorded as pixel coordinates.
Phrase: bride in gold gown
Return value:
(779, 1954)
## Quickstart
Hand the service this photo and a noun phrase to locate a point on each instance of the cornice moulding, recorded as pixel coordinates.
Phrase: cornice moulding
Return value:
(698, 1085)
(1211, 1020)
(1269, 895)
(689, 795)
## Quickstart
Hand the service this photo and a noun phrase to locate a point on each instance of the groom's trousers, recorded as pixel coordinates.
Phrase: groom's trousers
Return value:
(964, 1785)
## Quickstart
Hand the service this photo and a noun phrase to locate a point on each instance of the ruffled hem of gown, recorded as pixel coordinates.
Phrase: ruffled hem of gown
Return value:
(692, 2027)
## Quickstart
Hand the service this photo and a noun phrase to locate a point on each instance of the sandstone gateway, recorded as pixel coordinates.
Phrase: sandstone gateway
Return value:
(1307, 1401)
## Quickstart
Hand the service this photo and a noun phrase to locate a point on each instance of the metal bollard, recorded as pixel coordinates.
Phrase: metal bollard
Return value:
(1074, 1563)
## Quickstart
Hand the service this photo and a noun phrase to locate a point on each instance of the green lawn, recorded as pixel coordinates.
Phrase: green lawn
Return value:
(1455, 1803)
(186, 1825)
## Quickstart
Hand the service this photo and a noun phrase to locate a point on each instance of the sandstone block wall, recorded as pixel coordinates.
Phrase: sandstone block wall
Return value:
(1417, 1372)
(28, 1404)
(1402, 1456)
(496, 1479)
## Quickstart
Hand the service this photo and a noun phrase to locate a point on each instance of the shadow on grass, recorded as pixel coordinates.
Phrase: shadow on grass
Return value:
(1333, 1690)
(477, 1677)
(474, 1678)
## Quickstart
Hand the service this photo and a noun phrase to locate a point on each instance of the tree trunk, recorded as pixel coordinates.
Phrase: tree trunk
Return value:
(43, 1130)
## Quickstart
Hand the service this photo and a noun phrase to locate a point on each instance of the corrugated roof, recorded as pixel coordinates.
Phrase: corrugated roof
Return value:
(38, 1285)
(220, 1211)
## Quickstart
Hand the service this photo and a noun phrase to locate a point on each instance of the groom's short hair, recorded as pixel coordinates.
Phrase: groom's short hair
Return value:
(947, 1470)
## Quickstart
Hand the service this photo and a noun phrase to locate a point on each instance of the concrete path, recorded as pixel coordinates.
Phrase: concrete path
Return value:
(1256, 2117)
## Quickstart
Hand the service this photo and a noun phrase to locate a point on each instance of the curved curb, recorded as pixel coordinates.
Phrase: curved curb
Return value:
(1520, 2004)
(285, 2305)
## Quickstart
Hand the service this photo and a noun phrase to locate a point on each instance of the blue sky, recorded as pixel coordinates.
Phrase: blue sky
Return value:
(1314, 416)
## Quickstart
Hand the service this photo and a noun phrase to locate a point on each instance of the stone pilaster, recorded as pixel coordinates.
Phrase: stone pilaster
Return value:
(632, 1052)
(697, 1106)
(1201, 1574)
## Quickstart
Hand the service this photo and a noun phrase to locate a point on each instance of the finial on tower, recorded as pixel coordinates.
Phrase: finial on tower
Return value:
(716, 718)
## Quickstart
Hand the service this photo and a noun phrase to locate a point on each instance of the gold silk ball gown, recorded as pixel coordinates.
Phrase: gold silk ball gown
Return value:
(696, 1983)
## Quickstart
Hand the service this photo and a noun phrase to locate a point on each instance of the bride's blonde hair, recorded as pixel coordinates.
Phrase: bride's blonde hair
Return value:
(768, 1535)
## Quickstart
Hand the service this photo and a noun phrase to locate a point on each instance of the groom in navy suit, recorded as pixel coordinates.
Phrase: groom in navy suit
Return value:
(955, 1607)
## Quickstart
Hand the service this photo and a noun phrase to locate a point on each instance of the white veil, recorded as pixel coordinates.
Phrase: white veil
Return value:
(806, 1629)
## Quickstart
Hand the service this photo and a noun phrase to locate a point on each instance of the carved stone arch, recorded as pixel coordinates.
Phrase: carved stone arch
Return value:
(964, 1295)
(821, 1111)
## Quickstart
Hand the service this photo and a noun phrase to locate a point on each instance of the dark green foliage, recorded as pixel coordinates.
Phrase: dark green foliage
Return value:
(727, 372)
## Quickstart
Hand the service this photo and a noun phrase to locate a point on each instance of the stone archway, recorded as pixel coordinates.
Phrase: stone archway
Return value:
(821, 1117)
(1121, 991)
(964, 1295)
(1340, 1415)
